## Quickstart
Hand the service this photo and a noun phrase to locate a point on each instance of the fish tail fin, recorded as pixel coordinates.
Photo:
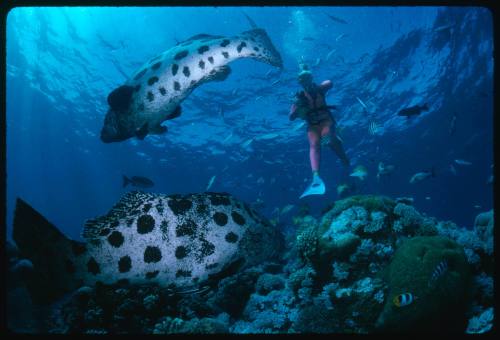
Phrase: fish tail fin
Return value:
(126, 181)
(51, 253)
(272, 56)
(250, 21)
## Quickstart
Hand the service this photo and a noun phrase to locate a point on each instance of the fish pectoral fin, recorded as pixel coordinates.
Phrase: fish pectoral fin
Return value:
(219, 73)
(158, 130)
(142, 131)
(176, 113)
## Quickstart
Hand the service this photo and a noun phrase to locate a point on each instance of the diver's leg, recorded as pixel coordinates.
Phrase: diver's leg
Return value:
(335, 143)
(314, 148)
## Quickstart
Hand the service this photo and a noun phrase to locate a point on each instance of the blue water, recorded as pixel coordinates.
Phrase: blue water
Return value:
(63, 62)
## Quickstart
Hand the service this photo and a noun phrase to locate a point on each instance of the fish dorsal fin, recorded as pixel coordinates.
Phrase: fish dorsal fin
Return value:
(101, 226)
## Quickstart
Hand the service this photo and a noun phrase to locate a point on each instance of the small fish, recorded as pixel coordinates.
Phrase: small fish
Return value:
(189, 291)
(336, 19)
(138, 181)
(413, 110)
(258, 97)
(247, 143)
(439, 271)
(363, 104)
(210, 183)
(462, 162)
(330, 54)
(308, 39)
(359, 172)
(384, 170)
(340, 37)
(427, 198)
(420, 176)
(271, 135)
(318, 60)
(298, 126)
(342, 189)
(275, 82)
(227, 138)
(477, 206)
(261, 180)
(287, 208)
(404, 299)
(453, 170)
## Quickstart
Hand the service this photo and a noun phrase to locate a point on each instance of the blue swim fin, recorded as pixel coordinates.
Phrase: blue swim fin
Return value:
(317, 187)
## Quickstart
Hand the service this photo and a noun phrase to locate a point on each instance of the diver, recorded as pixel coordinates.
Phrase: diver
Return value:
(310, 105)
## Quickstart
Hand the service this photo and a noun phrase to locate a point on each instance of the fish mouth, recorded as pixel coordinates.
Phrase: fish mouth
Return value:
(110, 131)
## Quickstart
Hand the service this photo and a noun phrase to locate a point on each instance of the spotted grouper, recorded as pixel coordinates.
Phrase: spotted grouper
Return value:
(175, 241)
(154, 93)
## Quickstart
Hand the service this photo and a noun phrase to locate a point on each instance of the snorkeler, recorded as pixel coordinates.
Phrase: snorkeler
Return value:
(310, 105)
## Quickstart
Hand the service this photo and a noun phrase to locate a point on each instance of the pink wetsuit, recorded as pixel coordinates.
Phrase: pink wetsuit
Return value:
(320, 124)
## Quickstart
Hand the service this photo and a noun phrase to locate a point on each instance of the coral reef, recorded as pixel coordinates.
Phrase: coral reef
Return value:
(338, 274)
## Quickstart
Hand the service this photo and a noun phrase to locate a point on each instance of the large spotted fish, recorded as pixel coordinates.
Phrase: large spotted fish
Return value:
(154, 93)
(178, 242)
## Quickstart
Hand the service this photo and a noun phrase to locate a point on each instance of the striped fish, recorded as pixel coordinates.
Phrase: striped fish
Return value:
(373, 128)
(439, 271)
(404, 299)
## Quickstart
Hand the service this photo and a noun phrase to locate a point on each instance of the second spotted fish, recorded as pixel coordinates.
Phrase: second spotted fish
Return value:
(155, 91)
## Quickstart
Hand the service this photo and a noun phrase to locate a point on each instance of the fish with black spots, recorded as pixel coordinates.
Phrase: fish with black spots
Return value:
(154, 93)
(176, 241)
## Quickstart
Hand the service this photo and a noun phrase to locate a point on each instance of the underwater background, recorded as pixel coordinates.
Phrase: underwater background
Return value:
(62, 63)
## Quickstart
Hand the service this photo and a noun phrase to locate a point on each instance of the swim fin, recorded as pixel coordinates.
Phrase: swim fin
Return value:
(317, 187)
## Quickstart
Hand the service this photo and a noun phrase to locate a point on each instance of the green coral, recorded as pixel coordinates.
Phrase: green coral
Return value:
(439, 304)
